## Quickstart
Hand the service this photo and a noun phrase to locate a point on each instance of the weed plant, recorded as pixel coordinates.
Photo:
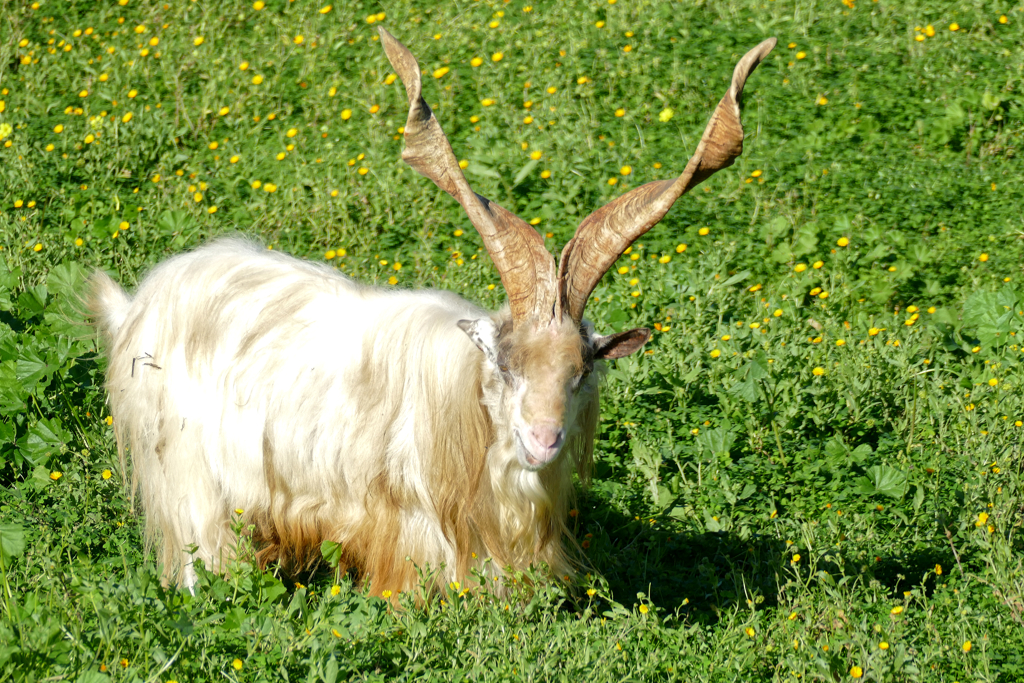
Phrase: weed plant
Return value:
(813, 472)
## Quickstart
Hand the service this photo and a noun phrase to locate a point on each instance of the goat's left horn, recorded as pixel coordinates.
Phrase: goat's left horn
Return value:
(604, 235)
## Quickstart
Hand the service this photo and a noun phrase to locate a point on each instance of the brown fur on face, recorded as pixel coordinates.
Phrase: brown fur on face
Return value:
(549, 359)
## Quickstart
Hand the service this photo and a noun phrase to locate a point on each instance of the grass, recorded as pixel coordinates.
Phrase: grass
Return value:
(814, 471)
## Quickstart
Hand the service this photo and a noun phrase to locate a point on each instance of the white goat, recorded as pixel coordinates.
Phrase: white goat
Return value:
(400, 424)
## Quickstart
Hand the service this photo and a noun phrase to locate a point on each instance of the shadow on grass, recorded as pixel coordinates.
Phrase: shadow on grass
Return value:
(704, 574)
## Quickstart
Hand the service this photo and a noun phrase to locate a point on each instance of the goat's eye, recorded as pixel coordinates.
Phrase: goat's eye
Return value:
(503, 368)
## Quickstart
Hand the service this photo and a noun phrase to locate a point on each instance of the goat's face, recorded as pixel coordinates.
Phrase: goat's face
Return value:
(543, 375)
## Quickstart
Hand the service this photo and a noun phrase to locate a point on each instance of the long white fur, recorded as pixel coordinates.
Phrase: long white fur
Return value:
(232, 355)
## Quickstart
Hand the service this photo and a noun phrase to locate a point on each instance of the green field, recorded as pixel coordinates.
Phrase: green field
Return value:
(814, 471)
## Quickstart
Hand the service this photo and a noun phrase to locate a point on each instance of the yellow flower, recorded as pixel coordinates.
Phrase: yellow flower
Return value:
(967, 646)
(536, 154)
(487, 101)
(363, 170)
(983, 258)
(213, 145)
(141, 28)
(856, 672)
(198, 197)
(475, 62)
(822, 100)
(438, 73)
(703, 231)
(749, 631)
(257, 79)
(269, 187)
(56, 475)
(237, 664)
(599, 24)
(626, 170)
(545, 174)
(1003, 19)
(938, 570)
(385, 594)
(796, 559)
(666, 115)
(801, 54)
(644, 609)
(954, 26)
(90, 138)
(929, 31)
(298, 40)
(127, 117)
(497, 57)
(842, 241)
(258, 5)
(982, 519)
(346, 114)
(716, 353)
(613, 181)
(335, 589)
(818, 371)
(817, 265)
(680, 248)
(896, 610)
(58, 128)
(106, 474)
(665, 259)
(463, 164)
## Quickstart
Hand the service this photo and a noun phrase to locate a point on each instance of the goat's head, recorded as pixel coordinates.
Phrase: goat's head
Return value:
(542, 353)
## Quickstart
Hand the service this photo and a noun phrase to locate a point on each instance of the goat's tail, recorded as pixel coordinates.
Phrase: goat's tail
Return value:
(108, 303)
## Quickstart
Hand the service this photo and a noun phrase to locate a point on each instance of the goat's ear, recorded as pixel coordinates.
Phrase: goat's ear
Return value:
(484, 334)
(620, 344)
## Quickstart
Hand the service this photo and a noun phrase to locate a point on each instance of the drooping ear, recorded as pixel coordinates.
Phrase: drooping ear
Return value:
(621, 344)
(484, 334)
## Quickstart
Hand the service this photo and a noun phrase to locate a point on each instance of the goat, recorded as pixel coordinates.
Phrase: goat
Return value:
(412, 427)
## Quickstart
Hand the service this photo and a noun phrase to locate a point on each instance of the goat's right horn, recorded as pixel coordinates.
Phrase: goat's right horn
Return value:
(604, 235)
(526, 268)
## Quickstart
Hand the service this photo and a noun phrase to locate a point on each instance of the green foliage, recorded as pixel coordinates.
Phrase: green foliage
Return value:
(813, 470)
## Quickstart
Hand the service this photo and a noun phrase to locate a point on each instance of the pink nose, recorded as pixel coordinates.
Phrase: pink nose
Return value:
(543, 441)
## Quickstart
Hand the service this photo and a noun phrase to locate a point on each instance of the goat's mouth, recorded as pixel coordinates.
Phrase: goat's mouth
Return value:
(526, 459)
